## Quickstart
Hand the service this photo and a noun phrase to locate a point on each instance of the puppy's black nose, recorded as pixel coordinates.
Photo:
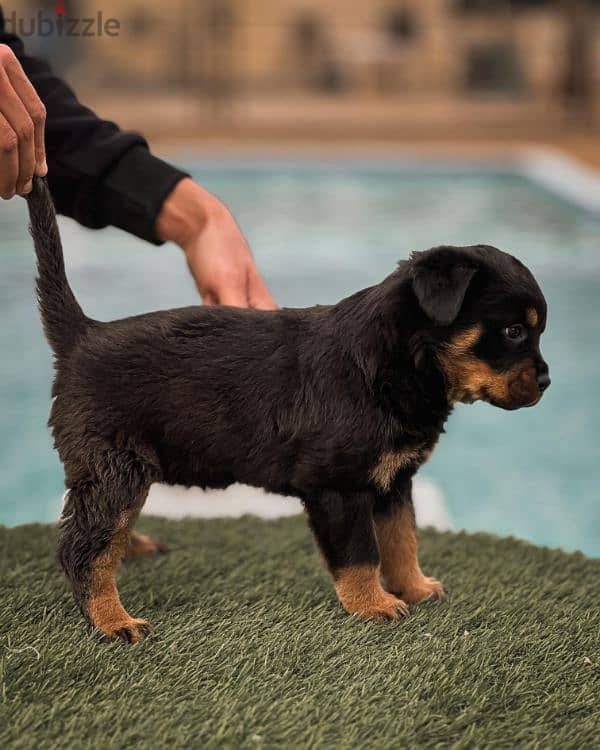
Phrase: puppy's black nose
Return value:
(543, 381)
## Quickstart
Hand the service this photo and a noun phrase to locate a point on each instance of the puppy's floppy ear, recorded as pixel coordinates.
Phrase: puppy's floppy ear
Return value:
(440, 279)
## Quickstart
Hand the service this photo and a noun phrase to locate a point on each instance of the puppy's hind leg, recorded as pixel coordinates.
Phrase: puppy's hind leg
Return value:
(343, 527)
(95, 535)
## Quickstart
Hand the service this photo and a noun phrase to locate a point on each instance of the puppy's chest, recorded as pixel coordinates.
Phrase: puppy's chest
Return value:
(405, 458)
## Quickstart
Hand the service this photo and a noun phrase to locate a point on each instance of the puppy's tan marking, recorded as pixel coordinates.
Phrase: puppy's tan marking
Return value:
(531, 315)
(464, 340)
(390, 464)
(466, 374)
(469, 378)
(360, 591)
(142, 545)
(397, 537)
(472, 379)
(104, 607)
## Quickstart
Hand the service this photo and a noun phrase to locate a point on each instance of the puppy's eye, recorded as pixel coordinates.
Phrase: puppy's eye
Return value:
(515, 332)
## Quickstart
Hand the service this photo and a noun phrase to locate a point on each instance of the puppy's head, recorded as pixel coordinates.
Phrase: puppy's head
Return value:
(484, 313)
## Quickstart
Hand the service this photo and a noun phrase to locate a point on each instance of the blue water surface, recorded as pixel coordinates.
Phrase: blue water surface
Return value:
(320, 232)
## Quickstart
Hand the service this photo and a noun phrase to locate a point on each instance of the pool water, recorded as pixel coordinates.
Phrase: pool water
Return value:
(320, 232)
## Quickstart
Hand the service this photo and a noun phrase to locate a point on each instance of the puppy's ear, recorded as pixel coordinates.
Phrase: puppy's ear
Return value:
(440, 281)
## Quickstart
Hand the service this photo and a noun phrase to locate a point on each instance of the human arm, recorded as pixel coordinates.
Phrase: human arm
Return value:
(100, 175)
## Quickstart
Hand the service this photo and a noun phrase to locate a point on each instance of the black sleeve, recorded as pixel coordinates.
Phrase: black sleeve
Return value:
(97, 174)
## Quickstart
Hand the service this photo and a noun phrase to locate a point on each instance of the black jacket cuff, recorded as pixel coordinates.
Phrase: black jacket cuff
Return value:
(133, 191)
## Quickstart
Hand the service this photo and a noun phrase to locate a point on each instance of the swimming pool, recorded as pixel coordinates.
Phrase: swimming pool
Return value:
(321, 231)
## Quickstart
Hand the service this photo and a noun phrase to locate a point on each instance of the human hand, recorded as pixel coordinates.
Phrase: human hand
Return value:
(22, 121)
(217, 253)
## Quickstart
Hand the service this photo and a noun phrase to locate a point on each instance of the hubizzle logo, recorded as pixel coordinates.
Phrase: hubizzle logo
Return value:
(61, 24)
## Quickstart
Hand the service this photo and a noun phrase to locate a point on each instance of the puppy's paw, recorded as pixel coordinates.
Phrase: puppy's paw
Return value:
(423, 588)
(142, 545)
(360, 591)
(380, 608)
(128, 630)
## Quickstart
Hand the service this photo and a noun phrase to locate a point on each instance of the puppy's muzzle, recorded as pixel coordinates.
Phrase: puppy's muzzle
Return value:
(526, 387)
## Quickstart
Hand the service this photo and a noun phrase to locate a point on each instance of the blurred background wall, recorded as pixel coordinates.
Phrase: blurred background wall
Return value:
(451, 69)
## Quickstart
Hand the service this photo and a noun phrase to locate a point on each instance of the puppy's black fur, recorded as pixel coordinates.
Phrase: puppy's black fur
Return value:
(338, 405)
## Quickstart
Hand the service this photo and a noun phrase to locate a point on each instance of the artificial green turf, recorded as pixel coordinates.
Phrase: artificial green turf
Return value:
(255, 652)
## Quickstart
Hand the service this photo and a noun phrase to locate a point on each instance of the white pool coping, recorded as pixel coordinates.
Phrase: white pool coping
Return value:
(563, 176)
(239, 500)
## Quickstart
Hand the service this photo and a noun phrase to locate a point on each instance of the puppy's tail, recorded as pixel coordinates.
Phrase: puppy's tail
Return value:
(62, 317)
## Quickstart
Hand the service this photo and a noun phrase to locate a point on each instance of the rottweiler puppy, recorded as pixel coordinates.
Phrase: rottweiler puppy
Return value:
(338, 405)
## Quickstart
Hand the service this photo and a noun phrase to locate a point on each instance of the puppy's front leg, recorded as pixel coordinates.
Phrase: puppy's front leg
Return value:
(397, 537)
(343, 527)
